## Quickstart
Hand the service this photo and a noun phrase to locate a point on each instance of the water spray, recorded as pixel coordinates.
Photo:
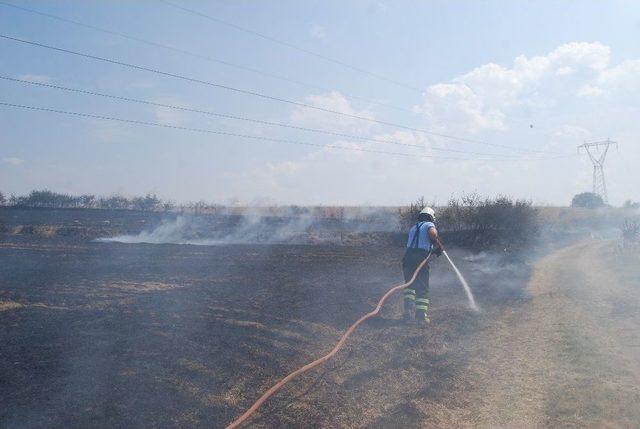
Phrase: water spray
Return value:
(465, 285)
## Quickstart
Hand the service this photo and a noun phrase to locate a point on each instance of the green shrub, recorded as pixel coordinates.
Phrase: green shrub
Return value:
(587, 200)
(490, 223)
(407, 216)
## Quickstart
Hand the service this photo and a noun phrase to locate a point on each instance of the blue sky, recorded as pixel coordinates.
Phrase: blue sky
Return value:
(484, 71)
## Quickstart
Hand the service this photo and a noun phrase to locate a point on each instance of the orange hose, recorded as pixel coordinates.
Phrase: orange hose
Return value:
(236, 423)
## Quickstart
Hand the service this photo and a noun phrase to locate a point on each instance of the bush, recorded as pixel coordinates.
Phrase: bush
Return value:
(113, 202)
(587, 200)
(87, 201)
(408, 216)
(630, 233)
(46, 199)
(149, 202)
(498, 223)
(168, 205)
(3, 200)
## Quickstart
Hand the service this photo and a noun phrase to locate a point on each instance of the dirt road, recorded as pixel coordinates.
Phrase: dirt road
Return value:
(570, 357)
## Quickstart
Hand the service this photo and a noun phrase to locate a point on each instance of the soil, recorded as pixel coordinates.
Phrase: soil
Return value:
(114, 335)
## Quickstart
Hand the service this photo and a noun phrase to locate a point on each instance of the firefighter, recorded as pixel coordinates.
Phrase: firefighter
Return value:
(423, 240)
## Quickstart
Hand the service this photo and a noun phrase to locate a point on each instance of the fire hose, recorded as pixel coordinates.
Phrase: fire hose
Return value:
(236, 423)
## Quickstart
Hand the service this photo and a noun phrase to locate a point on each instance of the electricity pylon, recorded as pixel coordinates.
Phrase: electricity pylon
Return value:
(597, 152)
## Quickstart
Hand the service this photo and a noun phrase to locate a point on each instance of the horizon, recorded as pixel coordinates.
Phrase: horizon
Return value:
(212, 205)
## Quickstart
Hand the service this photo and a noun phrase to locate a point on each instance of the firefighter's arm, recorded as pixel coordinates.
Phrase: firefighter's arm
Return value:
(435, 238)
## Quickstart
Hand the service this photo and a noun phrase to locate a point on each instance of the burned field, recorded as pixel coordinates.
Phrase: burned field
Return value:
(102, 334)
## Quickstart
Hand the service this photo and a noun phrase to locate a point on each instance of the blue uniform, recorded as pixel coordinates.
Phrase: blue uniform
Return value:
(424, 241)
(419, 245)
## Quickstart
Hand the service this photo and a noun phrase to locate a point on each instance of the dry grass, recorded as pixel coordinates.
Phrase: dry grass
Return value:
(559, 361)
(142, 286)
(9, 305)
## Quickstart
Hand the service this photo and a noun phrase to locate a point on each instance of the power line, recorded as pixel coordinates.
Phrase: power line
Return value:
(265, 96)
(223, 133)
(292, 46)
(197, 55)
(241, 118)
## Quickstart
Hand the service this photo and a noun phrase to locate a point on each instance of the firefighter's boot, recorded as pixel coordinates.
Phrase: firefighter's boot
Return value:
(422, 305)
(409, 304)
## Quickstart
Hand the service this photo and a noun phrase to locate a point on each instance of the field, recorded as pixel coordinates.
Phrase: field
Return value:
(107, 334)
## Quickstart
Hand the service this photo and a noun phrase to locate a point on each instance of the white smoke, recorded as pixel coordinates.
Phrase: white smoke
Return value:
(180, 230)
(264, 225)
(255, 227)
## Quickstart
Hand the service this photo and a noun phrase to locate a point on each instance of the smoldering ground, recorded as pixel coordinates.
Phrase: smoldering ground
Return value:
(291, 225)
(111, 334)
(170, 335)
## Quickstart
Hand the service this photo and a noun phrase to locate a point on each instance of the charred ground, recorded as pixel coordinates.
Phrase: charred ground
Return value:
(163, 335)
(120, 335)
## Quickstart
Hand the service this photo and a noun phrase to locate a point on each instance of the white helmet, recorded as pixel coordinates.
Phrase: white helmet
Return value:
(429, 211)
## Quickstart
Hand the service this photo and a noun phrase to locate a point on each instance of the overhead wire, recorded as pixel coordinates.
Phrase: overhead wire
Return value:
(198, 55)
(265, 96)
(292, 46)
(245, 119)
(222, 133)
(248, 136)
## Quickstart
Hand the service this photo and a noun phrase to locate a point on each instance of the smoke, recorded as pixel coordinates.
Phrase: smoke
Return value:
(181, 230)
(263, 226)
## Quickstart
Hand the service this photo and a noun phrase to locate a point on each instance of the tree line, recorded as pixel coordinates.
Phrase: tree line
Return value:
(48, 199)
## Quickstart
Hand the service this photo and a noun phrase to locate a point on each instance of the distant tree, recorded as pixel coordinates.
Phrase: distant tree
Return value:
(168, 205)
(631, 205)
(113, 202)
(147, 203)
(48, 199)
(407, 216)
(297, 210)
(45, 198)
(87, 201)
(198, 206)
(587, 200)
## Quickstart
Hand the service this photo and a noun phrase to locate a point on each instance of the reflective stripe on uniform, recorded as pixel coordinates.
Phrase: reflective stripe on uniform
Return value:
(422, 300)
(410, 294)
(422, 307)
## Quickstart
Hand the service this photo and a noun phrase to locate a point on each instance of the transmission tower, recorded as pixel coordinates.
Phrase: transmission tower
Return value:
(597, 152)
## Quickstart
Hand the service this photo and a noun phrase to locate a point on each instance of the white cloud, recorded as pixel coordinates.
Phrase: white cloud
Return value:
(336, 102)
(590, 90)
(625, 76)
(573, 132)
(547, 102)
(37, 78)
(12, 160)
(578, 55)
(490, 96)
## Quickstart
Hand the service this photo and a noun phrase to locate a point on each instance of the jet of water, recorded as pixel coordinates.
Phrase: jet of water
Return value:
(465, 285)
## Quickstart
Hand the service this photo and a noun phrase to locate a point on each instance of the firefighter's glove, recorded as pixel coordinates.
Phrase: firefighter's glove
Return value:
(437, 251)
